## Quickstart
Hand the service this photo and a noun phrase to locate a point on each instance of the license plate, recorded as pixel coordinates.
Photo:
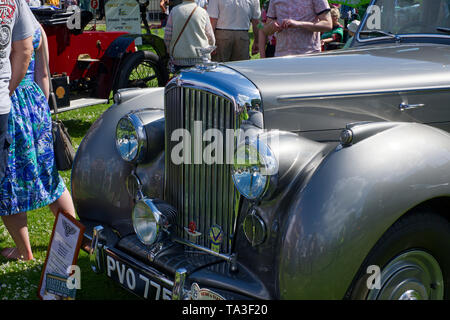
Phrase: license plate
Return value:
(140, 283)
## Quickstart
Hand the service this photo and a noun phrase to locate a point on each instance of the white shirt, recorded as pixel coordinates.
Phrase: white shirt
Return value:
(202, 3)
(234, 14)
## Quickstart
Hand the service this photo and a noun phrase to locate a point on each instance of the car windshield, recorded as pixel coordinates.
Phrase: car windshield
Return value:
(394, 18)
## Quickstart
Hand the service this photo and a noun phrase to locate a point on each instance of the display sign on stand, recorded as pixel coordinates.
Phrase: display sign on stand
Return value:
(123, 15)
(62, 255)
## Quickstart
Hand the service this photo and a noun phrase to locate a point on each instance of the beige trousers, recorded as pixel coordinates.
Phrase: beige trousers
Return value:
(232, 45)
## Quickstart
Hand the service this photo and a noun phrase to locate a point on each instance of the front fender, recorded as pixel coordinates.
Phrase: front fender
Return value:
(353, 197)
(98, 174)
(120, 44)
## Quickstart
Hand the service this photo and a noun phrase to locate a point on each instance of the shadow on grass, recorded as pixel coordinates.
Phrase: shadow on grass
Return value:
(77, 128)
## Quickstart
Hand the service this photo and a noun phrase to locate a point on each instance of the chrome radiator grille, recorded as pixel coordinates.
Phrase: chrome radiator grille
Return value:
(203, 194)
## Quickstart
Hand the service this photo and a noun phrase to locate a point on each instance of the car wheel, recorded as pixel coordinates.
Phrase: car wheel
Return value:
(409, 262)
(141, 69)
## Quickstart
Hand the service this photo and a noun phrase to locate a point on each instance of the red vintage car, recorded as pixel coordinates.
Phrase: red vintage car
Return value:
(86, 66)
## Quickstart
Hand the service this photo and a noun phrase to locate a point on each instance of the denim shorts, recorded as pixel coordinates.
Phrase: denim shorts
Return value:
(5, 141)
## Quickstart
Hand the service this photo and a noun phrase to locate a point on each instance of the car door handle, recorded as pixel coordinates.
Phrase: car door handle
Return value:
(406, 106)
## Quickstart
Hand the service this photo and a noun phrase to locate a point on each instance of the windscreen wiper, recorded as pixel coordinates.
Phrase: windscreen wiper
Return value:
(384, 33)
(443, 29)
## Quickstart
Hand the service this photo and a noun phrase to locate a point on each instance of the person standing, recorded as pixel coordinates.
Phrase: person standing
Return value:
(298, 24)
(266, 44)
(32, 179)
(352, 28)
(166, 7)
(16, 31)
(230, 20)
(331, 39)
(187, 29)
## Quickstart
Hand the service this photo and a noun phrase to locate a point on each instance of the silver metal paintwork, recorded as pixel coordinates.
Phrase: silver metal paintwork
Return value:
(354, 196)
(324, 92)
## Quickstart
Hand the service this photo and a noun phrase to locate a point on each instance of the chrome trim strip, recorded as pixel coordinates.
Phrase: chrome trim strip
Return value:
(402, 36)
(404, 106)
(295, 98)
(231, 258)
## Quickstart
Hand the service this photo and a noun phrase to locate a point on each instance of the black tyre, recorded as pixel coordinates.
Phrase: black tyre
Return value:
(141, 69)
(412, 260)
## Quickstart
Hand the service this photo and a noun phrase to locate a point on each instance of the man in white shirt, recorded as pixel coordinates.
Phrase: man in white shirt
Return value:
(230, 20)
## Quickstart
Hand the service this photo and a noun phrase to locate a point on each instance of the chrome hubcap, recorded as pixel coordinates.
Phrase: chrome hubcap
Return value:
(414, 275)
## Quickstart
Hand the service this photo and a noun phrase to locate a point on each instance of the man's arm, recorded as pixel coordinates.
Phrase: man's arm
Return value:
(323, 24)
(20, 57)
(210, 33)
(255, 23)
(213, 23)
(162, 5)
(262, 39)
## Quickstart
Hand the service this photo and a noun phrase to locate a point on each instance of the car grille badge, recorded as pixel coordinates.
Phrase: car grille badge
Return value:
(198, 293)
(192, 229)
(216, 237)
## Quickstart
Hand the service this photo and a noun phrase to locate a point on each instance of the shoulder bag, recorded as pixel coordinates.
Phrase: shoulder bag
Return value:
(62, 144)
(182, 30)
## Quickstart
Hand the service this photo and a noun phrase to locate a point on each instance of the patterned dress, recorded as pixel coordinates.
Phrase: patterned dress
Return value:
(32, 180)
(297, 40)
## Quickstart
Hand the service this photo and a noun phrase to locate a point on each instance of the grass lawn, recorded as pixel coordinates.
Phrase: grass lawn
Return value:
(19, 280)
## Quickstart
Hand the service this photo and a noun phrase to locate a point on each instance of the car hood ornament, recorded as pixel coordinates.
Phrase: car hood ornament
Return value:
(205, 55)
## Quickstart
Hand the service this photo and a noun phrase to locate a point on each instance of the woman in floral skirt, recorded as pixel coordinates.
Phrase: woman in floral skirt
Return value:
(32, 180)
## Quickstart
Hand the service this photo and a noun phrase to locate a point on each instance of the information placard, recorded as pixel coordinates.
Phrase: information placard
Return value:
(62, 254)
(123, 15)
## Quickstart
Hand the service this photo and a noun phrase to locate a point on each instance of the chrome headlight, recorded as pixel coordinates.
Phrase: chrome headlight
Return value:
(131, 139)
(254, 164)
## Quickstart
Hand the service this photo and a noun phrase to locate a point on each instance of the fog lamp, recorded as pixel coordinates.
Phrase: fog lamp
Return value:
(146, 221)
(151, 218)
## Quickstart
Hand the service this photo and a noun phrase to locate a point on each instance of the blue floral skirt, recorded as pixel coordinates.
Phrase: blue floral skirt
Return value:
(31, 180)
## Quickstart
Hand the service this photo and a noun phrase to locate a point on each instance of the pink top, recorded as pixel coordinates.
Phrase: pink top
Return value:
(296, 40)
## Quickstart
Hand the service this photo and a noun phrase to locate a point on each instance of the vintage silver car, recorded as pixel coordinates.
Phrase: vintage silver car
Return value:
(322, 176)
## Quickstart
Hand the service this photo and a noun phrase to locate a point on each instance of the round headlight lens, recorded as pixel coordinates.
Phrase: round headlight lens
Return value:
(146, 221)
(254, 163)
(130, 138)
